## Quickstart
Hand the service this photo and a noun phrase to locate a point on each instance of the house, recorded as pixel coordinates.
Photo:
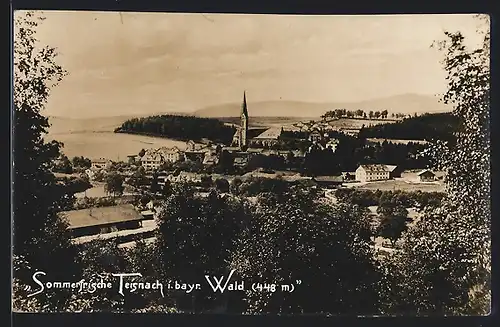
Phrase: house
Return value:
(426, 176)
(328, 181)
(133, 158)
(315, 136)
(170, 154)
(102, 220)
(350, 131)
(151, 160)
(191, 146)
(90, 173)
(240, 161)
(394, 171)
(375, 172)
(348, 176)
(210, 158)
(101, 163)
(332, 144)
(268, 138)
(148, 214)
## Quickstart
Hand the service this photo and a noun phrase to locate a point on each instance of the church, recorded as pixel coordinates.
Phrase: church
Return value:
(240, 138)
(244, 137)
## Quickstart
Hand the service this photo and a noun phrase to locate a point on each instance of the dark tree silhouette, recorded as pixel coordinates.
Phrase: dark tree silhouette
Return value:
(41, 237)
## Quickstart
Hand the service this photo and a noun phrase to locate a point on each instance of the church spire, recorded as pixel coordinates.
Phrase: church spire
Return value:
(244, 110)
(243, 130)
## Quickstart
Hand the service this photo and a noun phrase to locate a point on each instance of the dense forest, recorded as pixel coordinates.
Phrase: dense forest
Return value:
(426, 127)
(179, 127)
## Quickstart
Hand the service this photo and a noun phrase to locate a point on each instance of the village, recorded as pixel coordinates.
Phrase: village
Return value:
(146, 175)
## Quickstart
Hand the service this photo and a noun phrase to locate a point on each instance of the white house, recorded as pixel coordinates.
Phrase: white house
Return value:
(151, 161)
(170, 154)
(376, 172)
(90, 173)
(332, 144)
(315, 136)
(101, 163)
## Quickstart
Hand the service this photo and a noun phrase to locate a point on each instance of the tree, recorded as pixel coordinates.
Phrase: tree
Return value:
(291, 238)
(114, 184)
(196, 236)
(370, 114)
(40, 237)
(393, 223)
(206, 181)
(445, 263)
(166, 190)
(138, 178)
(155, 186)
(384, 113)
(142, 153)
(235, 185)
(81, 162)
(62, 165)
(222, 185)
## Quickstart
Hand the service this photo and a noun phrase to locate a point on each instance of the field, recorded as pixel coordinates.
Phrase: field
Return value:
(391, 185)
(267, 121)
(357, 123)
(346, 123)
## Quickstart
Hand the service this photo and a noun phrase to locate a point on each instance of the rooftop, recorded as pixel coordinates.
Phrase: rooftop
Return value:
(101, 216)
(272, 133)
(425, 171)
(336, 179)
(375, 167)
(391, 168)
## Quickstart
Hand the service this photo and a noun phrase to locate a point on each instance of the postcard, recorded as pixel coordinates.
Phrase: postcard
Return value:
(251, 164)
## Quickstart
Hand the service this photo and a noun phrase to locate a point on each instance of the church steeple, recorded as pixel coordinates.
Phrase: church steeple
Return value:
(244, 111)
(243, 141)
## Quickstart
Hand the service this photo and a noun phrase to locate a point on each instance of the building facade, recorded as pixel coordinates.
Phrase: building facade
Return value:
(151, 161)
(93, 221)
(368, 173)
(171, 154)
(100, 163)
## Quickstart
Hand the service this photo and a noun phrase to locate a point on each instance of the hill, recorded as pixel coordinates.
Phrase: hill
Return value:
(405, 103)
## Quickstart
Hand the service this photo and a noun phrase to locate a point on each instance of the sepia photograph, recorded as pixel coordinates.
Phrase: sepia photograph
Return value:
(249, 164)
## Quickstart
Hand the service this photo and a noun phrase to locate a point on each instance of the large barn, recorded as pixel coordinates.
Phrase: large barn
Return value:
(102, 220)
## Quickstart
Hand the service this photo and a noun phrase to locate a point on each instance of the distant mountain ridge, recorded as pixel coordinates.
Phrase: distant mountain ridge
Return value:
(405, 103)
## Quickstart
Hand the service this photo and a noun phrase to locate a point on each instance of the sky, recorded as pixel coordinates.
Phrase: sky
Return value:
(130, 63)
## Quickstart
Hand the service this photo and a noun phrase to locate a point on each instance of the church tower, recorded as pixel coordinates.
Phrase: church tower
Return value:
(243, 140)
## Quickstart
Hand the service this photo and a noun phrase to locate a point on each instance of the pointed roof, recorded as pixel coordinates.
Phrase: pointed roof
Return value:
(244, 110)
(425, 171)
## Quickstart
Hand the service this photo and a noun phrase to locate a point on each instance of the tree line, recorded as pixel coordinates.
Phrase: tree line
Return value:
(428, 127)
(354, 151)
(344, 113)
(180, 127)
(389, 198)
